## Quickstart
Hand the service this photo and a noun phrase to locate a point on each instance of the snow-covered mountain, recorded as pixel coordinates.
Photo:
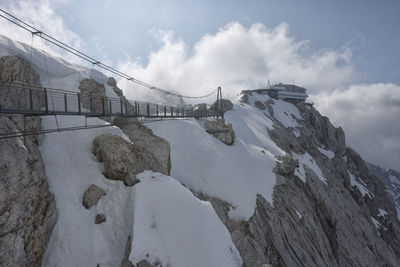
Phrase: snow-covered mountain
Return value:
(287, 192)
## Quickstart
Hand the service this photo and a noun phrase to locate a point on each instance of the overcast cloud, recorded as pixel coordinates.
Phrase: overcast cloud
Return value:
(239, 57)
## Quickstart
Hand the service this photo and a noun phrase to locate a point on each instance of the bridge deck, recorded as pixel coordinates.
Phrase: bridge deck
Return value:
(18, 98)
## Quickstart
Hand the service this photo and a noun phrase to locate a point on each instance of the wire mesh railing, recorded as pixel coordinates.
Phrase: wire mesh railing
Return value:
(20, 98)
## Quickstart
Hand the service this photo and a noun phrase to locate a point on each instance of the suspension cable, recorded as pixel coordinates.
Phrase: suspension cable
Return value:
(90, 59)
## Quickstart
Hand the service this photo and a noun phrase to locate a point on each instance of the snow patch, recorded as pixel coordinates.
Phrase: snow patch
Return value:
(382, 213)
(298, 214)
(234, 174)
(70, 169)
(301, 173)
(174, 228)
(329, 153)
(307, 160)
(361, 187)
(286, 113)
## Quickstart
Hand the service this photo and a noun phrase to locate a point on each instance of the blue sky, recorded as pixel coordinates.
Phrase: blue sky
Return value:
(370, 28)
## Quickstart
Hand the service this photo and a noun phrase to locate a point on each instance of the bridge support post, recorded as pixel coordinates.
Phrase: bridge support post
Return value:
(110, 107)
(103, 106)
(165, 111)
(148, 110)
(79, 103)
(122, 109)
(157, 110)
(126, 107)
(136, 109)
(65, 103)
(172, 111)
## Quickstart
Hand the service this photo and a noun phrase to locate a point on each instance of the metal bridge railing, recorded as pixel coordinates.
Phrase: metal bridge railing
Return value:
(19, 98)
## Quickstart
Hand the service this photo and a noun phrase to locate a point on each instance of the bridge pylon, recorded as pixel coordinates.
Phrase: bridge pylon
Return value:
(220, 103)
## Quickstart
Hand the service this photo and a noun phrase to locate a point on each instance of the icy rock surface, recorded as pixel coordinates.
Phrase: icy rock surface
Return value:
(220, 130)
(27, 208)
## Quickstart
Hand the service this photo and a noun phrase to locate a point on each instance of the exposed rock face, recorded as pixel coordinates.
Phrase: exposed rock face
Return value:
(92, 195)
(311, 223)
(113, 83)
(220, 130)
(125, 261)
(93, 96)
(259, 105)
(27, 208)
(123, 160)
(142, 136)
(226, 104)
(100, 218)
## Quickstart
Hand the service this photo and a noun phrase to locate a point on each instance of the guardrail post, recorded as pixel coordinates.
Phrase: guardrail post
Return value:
(46, 101)
(136, 109)
(148, 110)
(110, 107)
(79, 104)
(65, 103)
(122, 109)
(126, 107)
(90, 104)
(30, 99)
(172, 111)
(157, 110)
(165, 111)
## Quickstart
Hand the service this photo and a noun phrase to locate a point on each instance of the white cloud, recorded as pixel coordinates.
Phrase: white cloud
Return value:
(369, 114)
(238, 58)
(41, 14)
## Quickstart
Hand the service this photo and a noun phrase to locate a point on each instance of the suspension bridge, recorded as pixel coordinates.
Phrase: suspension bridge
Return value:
(34, 100)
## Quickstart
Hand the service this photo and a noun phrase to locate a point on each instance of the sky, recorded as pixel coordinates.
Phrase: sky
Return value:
(344, 52)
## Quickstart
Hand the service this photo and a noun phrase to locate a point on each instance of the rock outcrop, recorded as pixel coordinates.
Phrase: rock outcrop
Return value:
(27, 208)
(100, 218)
(113, 83)
(312, 223)
(92, 195)
(220, 130)
(122, 160)
(143, 136)
(93, 96)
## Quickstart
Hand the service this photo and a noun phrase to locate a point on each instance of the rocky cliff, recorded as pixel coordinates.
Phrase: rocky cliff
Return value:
(334, 221)
(27, 208)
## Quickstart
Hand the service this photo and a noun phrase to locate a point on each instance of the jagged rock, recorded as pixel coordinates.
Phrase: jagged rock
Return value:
(244, 97)
(125, 261)
(113, 83)
(226, 104)
(100, 218)
(220, 130)
(93, 96)
(92, 195)
(27, 208)
(286, 165)
(14, 69)
(122, 160)
(201, 106)
(143, 136)
(259, 105)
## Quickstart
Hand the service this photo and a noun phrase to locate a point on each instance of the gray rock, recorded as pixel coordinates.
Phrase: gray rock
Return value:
(125, 261)
(113, 83)
(286, 165)
(220, 130)
(27, 208)
(93, 96)
(122, 160)
(92, 195)
(143, 136)
(100, 218)
(259, 105)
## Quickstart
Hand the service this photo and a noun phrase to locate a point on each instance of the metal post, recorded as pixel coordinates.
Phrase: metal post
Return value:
(126, 107)
(90, 104)
(136, 109)
(122, 109)
(79, 103)
(65, 103)
(157, 110)
(165, 111)
(172, 111)
(148, 110)
(46, 101)
(110, 107)
(30, 99)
